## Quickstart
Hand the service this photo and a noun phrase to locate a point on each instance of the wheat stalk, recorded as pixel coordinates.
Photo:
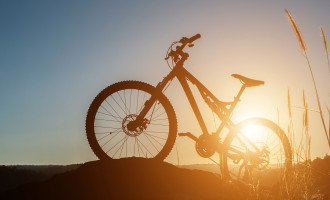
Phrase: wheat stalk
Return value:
(324, 40)
(305, 125)
(290, 127)
(296, 30)
(303, 48)
(325, 46)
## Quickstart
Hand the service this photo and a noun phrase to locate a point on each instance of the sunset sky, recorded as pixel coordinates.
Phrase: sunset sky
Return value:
(56, 56)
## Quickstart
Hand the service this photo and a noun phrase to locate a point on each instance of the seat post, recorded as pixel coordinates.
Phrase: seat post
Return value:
(240, 92)
(226, 120)
(237, 98)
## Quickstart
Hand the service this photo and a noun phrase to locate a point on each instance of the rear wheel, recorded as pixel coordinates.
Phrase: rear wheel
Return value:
(119, 104)
(255, 149)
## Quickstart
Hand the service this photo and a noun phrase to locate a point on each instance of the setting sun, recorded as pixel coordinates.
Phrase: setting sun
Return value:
(241, 87)
(252, 132)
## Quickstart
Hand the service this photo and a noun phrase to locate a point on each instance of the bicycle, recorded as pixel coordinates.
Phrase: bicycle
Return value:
(135, 119)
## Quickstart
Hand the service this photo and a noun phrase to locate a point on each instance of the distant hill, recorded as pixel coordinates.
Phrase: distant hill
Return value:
(205, 167)
(132, 178)
(48, 169)
(14, 176)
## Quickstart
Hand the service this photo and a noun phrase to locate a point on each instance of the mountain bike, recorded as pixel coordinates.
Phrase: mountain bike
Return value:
(135, 119)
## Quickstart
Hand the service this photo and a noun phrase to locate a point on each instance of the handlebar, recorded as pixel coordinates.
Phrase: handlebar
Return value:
(178, 53)
(193, 38)
(185, 40)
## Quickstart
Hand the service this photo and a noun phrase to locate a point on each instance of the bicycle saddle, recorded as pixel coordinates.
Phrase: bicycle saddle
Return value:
(247, 81)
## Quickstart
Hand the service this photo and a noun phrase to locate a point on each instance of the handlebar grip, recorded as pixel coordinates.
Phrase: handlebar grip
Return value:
(193, 38)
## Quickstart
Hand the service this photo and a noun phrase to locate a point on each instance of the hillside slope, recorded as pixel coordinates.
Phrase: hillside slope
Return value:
(133, 178)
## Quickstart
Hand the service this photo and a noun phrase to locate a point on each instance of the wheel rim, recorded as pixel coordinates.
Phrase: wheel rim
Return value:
(264, 152)
(112, 117)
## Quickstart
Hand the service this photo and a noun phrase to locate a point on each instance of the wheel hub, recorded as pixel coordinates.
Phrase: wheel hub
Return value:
(138, 130)
(260, 159)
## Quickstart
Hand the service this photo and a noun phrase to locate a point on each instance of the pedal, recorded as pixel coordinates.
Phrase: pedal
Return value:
(188, 134)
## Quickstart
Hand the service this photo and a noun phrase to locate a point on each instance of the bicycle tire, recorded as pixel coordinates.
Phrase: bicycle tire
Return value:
(134, 87)
(228, 167)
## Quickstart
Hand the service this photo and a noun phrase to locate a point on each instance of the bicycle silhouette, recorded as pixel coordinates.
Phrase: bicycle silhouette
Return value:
(135, 119)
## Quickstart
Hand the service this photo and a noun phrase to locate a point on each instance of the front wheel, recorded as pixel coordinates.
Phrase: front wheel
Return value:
(254, 149)
(109, 134)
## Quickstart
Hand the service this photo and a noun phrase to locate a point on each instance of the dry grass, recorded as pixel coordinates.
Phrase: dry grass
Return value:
(325, 47)
(297, 31)
(299, 183)
(303, 48)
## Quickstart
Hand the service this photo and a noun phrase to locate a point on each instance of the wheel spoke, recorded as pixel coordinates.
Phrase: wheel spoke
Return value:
(130, 101)
(153, 137)
(151, 142)
(115, 146)
(110, 114)
(137, 102)
(110, 139)
(155, 132)
(144, 146)
(118, 105)
(115, 108)
(120, 145)
(108, 120)
(125, 142)
(126, 109)
(159, 124)
(157, 116)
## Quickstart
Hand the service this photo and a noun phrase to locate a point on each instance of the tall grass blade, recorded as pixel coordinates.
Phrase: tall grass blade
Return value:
(177, 155)
(305, 115)
(318, 99)
(329, 120)
(325, 46)
(324, 40)
(289, 104)
(296, 30)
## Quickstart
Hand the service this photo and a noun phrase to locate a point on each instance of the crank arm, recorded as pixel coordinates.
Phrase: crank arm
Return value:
(188, 134)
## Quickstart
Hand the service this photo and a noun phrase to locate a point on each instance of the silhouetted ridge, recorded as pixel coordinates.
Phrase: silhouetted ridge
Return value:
(130, 178)
(11, 177)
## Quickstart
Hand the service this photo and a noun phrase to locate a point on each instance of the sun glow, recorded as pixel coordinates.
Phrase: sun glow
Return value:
(252, 132)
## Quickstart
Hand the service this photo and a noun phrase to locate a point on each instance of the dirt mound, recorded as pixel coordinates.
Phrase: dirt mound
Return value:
(133, 178)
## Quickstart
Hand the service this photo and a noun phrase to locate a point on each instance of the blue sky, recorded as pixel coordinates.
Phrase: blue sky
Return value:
(55, 56)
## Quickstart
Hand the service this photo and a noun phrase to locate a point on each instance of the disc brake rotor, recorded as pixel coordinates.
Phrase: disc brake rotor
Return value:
(138, 130)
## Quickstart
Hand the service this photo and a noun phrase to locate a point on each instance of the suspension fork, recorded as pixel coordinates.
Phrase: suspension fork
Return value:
(131, 126)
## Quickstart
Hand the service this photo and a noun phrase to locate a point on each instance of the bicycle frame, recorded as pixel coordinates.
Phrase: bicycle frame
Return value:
(239, 153)
(183, 76)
